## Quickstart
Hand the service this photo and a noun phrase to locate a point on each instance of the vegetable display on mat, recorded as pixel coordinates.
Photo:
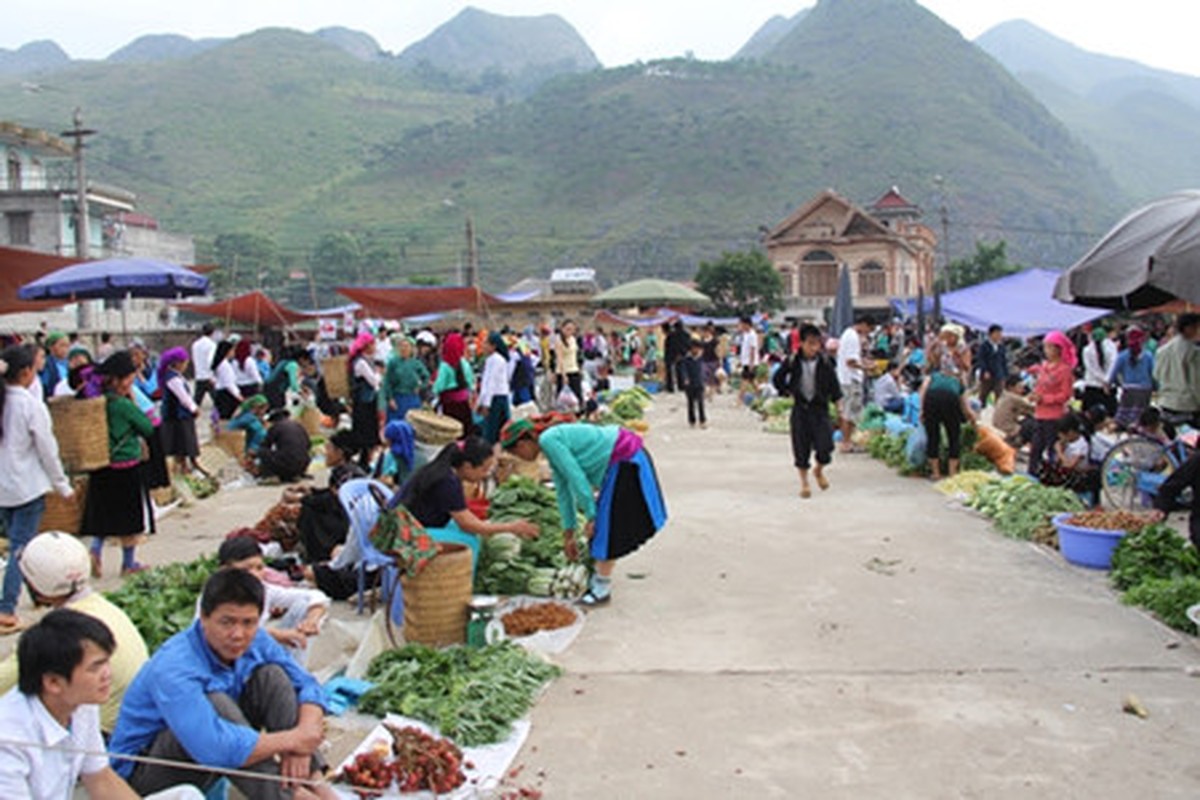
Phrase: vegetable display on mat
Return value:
(1155, 551)
(508, 565)
(471, 695)
(161, 601)
(1022, 508)
(1168, 599)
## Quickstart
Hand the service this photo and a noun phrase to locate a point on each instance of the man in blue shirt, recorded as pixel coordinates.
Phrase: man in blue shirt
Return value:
(209, 690)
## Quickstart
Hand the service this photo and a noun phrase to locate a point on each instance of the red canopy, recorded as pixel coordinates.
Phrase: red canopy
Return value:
(397, 302)
(19, 267)
(252, 308)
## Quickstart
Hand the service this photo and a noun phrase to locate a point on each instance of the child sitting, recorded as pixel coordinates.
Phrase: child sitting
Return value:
(1069, 465)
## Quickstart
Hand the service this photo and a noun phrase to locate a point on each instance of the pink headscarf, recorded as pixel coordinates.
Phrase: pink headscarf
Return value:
(1060, 340)
(364, 340)
(453, 348)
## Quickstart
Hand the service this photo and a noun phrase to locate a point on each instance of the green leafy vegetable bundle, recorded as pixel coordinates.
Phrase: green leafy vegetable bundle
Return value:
(1168, 599)
(161, 601)
(471, 695)
(1154, 552)
(507, 565)
(1022, 508)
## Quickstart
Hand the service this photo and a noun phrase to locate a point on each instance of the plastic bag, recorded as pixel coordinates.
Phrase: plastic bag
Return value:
(914, 449)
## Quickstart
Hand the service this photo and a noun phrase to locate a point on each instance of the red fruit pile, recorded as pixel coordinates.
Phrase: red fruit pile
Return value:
(420, 762)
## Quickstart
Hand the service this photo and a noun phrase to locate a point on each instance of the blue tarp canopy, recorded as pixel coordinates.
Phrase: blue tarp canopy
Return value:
(1022, 303)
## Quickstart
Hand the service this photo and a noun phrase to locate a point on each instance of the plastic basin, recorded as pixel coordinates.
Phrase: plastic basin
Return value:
(1086, 547)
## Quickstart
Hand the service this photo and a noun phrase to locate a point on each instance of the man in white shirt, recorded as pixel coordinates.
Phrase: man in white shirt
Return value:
(748, 356)
(203, 350)
(851, 376)
(51, 719)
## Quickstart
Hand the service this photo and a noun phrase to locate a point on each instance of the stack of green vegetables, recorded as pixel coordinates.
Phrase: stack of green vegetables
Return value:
(891, 449)
(1159, 570)
(1022, 508)
(161, 601)
(508, 565)
(471, 695)
(626, 406)
(776, 413)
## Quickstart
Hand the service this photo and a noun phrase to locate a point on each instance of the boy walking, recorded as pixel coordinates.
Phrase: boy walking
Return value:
(691, 380)
(810, 379)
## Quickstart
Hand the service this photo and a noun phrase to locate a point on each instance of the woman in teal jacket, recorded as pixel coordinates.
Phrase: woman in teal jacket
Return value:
(605, 473)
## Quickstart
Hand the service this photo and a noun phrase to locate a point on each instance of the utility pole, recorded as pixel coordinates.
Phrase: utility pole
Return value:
(472, 255)
(79, 133)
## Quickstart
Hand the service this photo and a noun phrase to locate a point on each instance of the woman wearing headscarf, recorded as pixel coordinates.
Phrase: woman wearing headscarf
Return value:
(179, 411)
(225, 381)
(403, 379)
(249, 418)
(117, 501)
(1054, 388)
(943, 398)
(249, 379)
(454, 382)
(495, 394)
(605, 473)
(1133, 374)
(364, 396)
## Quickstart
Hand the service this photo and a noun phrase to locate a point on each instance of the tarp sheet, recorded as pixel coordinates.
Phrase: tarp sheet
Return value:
(398, 302)
(1022, 303)
(252, 308)
(19, 267)
(660, 316)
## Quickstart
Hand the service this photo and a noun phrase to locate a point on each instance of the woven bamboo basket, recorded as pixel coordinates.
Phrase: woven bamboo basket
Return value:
(232, 442)
(336, 370)
(65, 515)
(81, 428)
(310, 418)
(436, 600)
(432, 428)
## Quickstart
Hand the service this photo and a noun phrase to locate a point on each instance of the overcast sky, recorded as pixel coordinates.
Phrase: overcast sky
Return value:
(1154, 32)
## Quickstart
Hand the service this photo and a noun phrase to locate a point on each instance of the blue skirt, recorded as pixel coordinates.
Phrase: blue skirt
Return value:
(404, 404)
(630, 509)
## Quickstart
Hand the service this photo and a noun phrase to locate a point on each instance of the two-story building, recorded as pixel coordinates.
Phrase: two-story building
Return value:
(887, 250)
(38, 194)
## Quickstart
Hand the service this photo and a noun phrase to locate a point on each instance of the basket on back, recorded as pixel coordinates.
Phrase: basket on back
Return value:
(336, 370)
(432, 428)
(81, 428)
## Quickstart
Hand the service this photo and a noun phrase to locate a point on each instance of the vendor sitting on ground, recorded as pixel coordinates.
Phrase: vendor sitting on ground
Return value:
(284, 452)
(887, 392)
(249, 418)
(51, 721)
(435, 496)
(55, 567)
(299, 610)
(224, 694)
(1013, 414)
(340, 450)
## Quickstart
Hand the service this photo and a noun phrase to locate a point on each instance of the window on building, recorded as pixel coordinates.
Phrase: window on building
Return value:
(14, 172)
(872, 279)
(18, 227)
(819, 274)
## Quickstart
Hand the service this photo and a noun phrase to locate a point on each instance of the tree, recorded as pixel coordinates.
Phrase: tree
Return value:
(248, 260)
(741, 283)
(337, 260)
(989, 262)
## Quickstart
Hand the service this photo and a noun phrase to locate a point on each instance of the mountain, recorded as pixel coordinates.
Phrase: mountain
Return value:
(1140, 121)
(769, 35)
(644, 169)
(32, 57)
(476, 42)
(161, 47)
(358, 44)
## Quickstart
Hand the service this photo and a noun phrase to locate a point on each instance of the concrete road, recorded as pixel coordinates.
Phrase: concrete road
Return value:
(869, 642)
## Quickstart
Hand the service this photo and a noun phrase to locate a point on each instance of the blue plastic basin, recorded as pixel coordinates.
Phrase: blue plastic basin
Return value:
(1086, 547)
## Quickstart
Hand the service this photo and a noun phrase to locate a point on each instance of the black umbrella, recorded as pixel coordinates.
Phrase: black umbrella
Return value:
(921, 314)
(842, 316)
(1149, 258)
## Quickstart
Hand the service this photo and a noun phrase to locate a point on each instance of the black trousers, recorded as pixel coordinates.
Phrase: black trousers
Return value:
(695, 398)
(811, 432)
(1045, 431)
(943, 409)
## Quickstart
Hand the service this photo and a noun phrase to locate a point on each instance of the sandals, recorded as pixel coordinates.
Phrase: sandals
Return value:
(822, 482)
(135, 569)
(592, 600)
(8, 628)
(805, 492)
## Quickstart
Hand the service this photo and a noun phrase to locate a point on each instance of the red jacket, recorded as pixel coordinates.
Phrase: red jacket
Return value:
(1055, 387)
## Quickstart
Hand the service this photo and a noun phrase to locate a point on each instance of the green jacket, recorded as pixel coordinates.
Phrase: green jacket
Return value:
(446, 380)
(403, 376)
(579, 454)
(126, 423)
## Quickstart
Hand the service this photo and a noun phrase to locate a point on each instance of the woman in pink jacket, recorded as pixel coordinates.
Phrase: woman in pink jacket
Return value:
(1054, 388)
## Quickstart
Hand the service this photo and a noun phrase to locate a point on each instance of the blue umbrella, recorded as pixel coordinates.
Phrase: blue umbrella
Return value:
(843, 305)
(116, 278)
